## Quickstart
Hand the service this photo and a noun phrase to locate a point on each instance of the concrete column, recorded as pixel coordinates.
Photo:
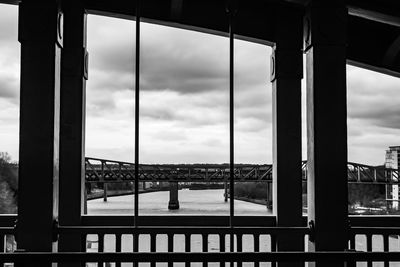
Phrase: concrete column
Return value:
(286, 76)
(72, 124)
(173, 203)
(40, 36)
(325, 45)
(105, 193)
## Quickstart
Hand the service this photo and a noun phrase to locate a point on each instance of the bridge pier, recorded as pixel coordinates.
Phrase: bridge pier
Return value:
(173, 203)
(105, 193)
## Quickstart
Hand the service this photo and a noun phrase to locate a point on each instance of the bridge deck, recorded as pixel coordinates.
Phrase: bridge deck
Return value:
(102, 170)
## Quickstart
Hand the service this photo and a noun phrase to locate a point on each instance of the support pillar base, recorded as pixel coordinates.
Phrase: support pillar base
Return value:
(173, 205)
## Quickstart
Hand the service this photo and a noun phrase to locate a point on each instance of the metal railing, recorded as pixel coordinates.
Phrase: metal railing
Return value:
(371, 239)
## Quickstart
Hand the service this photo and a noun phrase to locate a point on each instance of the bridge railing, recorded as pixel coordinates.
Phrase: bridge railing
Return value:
(102, 170)
(369, 174)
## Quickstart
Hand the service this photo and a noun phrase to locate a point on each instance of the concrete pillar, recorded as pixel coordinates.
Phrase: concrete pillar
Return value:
(325, 45)
(286, 76)
(40, 36)
(105, 193)
(72, 125)
(173, 203)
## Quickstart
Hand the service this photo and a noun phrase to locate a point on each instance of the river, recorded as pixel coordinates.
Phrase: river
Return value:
(191, 202)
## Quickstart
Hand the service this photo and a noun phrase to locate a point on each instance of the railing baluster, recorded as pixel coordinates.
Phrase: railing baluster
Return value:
(369, 247)
(352, 242)
(386, 248)
(135, 246)
(273, 248)
(100, 246)
(222, 247)
(118, 247)
(84, 243)
(187, 247)
(352, 246)
(239, 247)
(256, 238)
(204, 243)
(153, 238)
(170, 247)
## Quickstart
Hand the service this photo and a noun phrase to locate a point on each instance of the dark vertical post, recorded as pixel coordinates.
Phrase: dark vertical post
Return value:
(286, 75)
(225, 191)
(40, 35)
(72, 124)
(269, 195)
(137, 102)
(231, 9)
(105, 193)
(325, 45)
(85, 200)
(173, 203)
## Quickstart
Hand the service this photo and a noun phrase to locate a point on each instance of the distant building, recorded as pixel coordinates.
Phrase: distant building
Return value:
(392, 161)
(392, 158)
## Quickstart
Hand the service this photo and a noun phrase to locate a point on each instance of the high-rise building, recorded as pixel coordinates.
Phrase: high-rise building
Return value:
(392, 161)
(392, 158)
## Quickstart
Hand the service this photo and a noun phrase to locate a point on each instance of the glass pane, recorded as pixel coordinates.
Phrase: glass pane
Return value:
(110, 114)
(373, 140)
(184, 116)
(253, 128)
(9, 112)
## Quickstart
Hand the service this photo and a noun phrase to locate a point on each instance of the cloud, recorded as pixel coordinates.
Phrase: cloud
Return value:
(373, 97)
(184, 101)
(171, 59)
(9, 87)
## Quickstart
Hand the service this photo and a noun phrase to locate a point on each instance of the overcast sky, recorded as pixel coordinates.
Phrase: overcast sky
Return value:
(184, 110)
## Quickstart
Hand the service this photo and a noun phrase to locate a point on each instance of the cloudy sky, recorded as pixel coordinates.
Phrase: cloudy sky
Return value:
(184, 110)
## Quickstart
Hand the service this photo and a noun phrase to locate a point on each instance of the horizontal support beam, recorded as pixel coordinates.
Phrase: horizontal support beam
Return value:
(329, 256)
(180, 230)
(185, 221)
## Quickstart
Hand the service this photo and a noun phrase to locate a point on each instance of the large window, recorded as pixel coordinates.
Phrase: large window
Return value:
(9, 112)
(373, 139)
(183, 120)
(110, 99)
(184, 115)
(253, 126)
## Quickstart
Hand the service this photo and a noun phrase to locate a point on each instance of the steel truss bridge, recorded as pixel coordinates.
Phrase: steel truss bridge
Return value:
(110, 171)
